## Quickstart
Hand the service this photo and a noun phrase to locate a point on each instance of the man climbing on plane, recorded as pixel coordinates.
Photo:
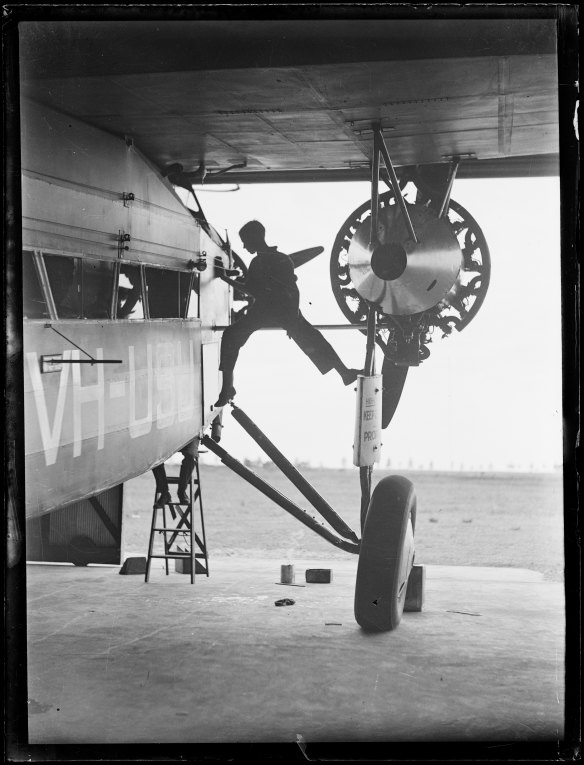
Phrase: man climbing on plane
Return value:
(271, 281)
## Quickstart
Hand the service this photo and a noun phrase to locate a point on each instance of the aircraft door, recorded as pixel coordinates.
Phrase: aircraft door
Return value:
(210, 353)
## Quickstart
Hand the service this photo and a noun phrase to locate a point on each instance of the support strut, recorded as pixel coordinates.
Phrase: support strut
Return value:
(276, 497)
(379, 147)
(318, 502)
(366, 472)
(451, 176)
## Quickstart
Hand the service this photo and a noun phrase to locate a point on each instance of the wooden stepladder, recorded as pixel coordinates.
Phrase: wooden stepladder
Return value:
(180, 540)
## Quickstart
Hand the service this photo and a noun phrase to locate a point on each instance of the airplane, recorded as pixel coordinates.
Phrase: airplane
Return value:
(123, 300)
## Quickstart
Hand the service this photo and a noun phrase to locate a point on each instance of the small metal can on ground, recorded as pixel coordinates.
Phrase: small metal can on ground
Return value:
(287, 574)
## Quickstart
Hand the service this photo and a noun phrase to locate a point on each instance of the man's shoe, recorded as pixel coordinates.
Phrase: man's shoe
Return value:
(225, 397)
(183, 497)
(163, 500)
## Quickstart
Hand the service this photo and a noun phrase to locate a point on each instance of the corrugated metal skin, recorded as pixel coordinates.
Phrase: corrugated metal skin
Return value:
(49, 538)
(80, 519)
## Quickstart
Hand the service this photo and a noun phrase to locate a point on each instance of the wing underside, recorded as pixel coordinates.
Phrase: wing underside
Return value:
(295, 100)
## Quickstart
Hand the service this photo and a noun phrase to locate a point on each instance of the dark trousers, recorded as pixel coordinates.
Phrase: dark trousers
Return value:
(306, 337)
(186, 470)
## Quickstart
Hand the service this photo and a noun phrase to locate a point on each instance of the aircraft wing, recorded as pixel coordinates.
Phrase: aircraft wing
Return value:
(294, 100)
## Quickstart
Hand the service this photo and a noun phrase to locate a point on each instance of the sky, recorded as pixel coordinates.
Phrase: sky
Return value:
(487, 398)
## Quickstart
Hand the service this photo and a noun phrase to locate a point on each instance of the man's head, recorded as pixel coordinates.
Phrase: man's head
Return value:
(252, 235)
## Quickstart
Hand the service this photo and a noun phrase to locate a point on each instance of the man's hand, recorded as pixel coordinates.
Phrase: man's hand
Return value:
(220, 269)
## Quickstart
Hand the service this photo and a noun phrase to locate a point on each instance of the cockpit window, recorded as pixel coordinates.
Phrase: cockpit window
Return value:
(189, 295)
(163, 293)
(64, 274)
(84, 288)
(130, 299)
(34, 305)
(169, 292)
(98, 283)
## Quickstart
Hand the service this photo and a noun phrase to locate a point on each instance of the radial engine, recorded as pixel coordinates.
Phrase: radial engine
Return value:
(420, 262)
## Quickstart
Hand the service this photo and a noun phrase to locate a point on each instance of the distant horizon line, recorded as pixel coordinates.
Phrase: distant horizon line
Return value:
(303, 465)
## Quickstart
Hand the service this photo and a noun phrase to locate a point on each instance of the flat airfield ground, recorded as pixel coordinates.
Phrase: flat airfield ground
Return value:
(463, 519)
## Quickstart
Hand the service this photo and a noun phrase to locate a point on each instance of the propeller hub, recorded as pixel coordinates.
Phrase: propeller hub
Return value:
(389, 261)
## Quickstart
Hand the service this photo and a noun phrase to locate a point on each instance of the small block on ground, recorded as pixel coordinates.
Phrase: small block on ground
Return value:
(133, 566)
(415, 589)
(319, 575)
(183, 566)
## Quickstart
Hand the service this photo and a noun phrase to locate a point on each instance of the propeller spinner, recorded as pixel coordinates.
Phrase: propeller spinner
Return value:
(398, 275)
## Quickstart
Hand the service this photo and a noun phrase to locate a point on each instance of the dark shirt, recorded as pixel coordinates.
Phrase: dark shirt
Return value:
(271, 279)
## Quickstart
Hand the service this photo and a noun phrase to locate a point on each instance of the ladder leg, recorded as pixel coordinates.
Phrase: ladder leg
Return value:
(185, 526)
(150, 545)
(191, 532)
(200, 499)
(165, 538)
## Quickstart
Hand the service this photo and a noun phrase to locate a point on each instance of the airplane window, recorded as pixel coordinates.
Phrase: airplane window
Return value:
(98, 282)
(64, 278)
(34, 305)
(189, 290)
(130, 305)
(163, 293)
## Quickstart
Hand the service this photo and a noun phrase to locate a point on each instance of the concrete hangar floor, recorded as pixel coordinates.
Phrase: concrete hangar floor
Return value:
(113, 660)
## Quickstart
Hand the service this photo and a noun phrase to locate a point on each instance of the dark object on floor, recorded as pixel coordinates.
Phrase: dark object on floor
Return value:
(319, 575)
(285, 602)
(183, 566)
(134, 566)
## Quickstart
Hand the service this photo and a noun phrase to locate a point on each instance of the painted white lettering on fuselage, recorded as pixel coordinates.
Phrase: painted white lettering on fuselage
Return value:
(50, 434)
(92, 396)
(79, 406)
(165, 384)
(117, 389)
(185, 393)
(140, 426)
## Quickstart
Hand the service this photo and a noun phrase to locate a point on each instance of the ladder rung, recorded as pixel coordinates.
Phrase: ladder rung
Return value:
(173, 555)
(183, 518)
(178, 531)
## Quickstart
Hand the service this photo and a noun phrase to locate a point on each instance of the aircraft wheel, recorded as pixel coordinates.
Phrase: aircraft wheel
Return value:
(386, 555)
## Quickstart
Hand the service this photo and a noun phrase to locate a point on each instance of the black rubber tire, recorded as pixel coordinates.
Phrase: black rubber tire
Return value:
(387, 538)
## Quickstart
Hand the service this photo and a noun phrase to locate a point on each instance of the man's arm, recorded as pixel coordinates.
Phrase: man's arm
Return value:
(236, 285)
(224, 274)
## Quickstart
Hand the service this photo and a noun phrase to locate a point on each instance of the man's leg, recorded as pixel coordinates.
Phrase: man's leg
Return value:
(318, 349)
(234, 338)
(161, 485)
(186, 471)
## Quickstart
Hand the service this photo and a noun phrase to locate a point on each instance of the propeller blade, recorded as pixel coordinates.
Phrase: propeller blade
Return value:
(304, 256)
(394, 377)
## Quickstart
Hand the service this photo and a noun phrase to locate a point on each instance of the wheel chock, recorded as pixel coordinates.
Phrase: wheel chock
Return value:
(415, 588)
(134, 566)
